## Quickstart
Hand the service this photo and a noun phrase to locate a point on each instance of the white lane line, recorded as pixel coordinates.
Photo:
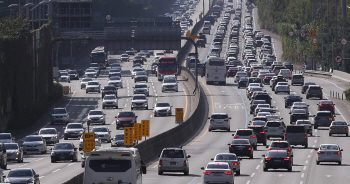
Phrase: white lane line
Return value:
(248, 182)
(70, 164)
(125, 105)
(311, 151)
(252, 175)
(308, 156)
(261, 161)
(257, 167)
(41, 177)
(113, 122)
(306, 161)
(302, 175)
(301, 182)
(304, 168)
(22, 165)
(55, 170)
(151, 116)
(39, 159)
(313, 145)
(315, 141)
(315, 130)
(333, 84)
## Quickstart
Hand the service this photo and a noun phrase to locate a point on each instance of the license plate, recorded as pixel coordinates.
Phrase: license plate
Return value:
(329, 153)
(240, 148)
(172, 163)
(61, 157)
(217, 174)
(272, 130)
(216, 77)
(277, 160)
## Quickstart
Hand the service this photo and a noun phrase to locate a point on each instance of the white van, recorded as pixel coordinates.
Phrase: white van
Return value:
(215, 70)
(114, 166)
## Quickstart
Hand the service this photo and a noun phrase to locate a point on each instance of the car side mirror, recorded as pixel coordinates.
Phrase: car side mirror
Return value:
(291, 155)
(212, 159)
(202, 168)
(316, 149)
(36, 175)
(341, 149)
(115, 117)
(208, 117)
(267, 146)
(188, 156)
(263, 155)
(229, 118)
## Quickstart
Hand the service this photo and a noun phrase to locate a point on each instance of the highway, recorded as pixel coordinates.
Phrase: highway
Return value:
(231, 100)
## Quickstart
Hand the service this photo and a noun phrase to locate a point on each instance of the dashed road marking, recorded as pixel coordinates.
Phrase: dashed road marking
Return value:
(302, 175)
(304, 168)
(252, 175)
(257, 167)
(56, 170)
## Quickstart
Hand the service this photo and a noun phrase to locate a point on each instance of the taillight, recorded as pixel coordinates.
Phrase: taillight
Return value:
(345, 128)
(226, 120)
(289, 150)
(286, 159)
(266, 78)
(262, 132)
(320, 152)
(234, 163)
(269, 148)
(207, 172)
(160, 162)
(185, 163)
(231, 147)
(229, 71)
(250, 148)
(337, 153)
(330, 119)
(267, 158)
(228, 172)
(235, 136)
(331, 128)
(316, 118)
(280, 73)
(290, 73)
(320, 105)
(253, 136)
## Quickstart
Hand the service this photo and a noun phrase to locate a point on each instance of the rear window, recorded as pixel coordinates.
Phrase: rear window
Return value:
(339, 123)
(226, 157)
(244, 132)
(324, 114)
(273, 124)
(217, 116)
(298, 76)
(295, 129)
(279, 145)
(173, 153)
(257, 129)
(328, 147)
(217, 166)
(110, 165)
(326, 102)
(277, 154)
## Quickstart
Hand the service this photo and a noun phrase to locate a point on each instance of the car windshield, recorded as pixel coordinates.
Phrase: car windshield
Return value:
(109, 97)
(125, 114)
(48, 131)
(255, 102)
(93, 83)
(279, 145)
(59, 111)
(326, 102)
(5, 136)
(169, 80)
(99, 129)
(226, 157)
(87, 80)
(173, 153)
(299, 104)
(73, 72)
(109, 88)
(140, 86)
(63, 146)
(114, 78)
(119, 137)
(139, 98)
(138, 69)
(256, 89)
(95, 113)
(217, 166)
(253, 84)
(328, 147)
(20, 173)
(299, 111)
(11, 146)
(75, 126)
(240, 141)
(162, 105)
(277, 154)
(258, 122)
(114, 70)
(324, 114)
(263, 106)
(32, 138)
(293, 97)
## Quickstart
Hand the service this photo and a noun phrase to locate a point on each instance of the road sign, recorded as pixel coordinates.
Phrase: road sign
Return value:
(312, 33)
(128, 136)
(188, 33)
(145, 128)
(338, 59)
(302, 34)
(314, 40)
(88, 142)
(179, 115)
(344, 41)
(194, 37)
(290, 33)
(137, 131)
(314, 46)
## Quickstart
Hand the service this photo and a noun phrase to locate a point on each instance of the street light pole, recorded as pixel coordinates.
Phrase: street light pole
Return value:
(344, 17)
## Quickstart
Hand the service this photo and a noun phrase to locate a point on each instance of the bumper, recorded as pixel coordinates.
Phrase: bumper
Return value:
(62, 157)
(277, 165)
(332, 131)
(219, 179)
(110, 104)
(323, 123)
(36, 149)
(172, 169)
(13, 157)
(326, 158)
(159, 113)
(139, 106)
(170, 88)
(92, 90)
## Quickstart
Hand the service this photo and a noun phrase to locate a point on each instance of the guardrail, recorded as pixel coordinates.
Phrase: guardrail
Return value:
(318, 72)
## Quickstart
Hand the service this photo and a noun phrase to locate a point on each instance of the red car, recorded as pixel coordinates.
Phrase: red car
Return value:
(326, 105)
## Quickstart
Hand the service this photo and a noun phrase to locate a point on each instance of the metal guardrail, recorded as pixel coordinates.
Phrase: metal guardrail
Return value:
(317, 72)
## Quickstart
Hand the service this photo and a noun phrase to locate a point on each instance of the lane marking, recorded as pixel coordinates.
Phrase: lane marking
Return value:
(41, 177)
(306, 162)
(39, 159)
(56, 170)
(333, 84)
(252, 175)
(185, 102)
(248, 182)
(308, 156)
(70, 164)
(257, 167)
(304, 168)
(245, 107)
(302, 175)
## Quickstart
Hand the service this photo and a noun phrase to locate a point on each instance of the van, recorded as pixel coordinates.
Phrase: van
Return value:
(173, 160)
(275, 129)
(296, 135)
(114, 165)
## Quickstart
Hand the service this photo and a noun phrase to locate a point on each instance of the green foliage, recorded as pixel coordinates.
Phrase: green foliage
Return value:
(56, 92)
(347, 94)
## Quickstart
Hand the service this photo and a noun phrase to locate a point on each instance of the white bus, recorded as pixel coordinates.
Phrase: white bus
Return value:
(215, 70)
(114, 166)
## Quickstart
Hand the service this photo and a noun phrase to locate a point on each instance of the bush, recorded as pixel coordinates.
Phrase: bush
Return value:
(56, 92)
(347, 94)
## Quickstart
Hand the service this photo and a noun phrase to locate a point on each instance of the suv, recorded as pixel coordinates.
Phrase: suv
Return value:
(290, 99)
(275, 129)
(262, 96)
(59, 115)
(281, 145)
(109, 90)
(297, 114)
(219, 121)
(173, 160)
(246, 134)
(139, 101)
(170, 83)
(314, 91)
(260, 134)
(308, 125)
(125, 119)
(297, 79)
(141, 88)
(323, 118)
(296, 135)
(305, 86)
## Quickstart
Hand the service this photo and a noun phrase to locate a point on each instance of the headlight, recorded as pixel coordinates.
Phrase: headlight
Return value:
(17, 153)
(81, 132)
(53, 153)
(102, 117)
(71, 153)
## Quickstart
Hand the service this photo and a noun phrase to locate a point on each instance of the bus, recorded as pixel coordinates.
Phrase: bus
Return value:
(167, 65)
(215, 71)
(99, 56)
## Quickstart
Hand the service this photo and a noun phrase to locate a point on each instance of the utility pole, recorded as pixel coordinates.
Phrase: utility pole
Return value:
(344, 17)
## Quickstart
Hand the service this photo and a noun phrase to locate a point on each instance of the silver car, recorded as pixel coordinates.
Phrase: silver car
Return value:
(219, 121)
(329, 153)
(34, 143)
(6, 138)
(110, 101)
(50, 135)
(84, 82)
(308, 125)
(339, 127)
(14, 152)
(93, 86)
(141, 88)
(162, 109)
(218, 172)
(116, 82)
(231, 159)
(96, 116)
(246, 134)
(103, 133)
(173, 160)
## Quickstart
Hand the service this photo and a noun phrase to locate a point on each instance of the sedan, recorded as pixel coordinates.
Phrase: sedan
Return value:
(96, 116)
(114, 73)
(339, 127)
(329, 153)
(22, 175)
(73, 130)
(93, 86)
(118, 141)
(162, 109)
(14, 152)
(231, 159)
(64, 78)
(116, 82)
(64, 151)
(84, 82)
(218, 172)
(277, 159)
(141, 76)
(34, 143)
(110, 101)
(241, 147)
(326, 105)
(50, 135)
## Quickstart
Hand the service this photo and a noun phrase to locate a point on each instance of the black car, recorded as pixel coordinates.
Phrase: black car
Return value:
(110, 90)
(297, 114)
(277, 159)
(290, 99)
(200, 43)
(141, 76)
(231, 72)
(202, 36)
(305, 86)
(259, 133)
(64, 151)
(314, 91)
(241, 147)
(118, 141)
(243, 82)
(139, 59)
(255, 103)
(73, 74)
(262, 96)
(280, 78)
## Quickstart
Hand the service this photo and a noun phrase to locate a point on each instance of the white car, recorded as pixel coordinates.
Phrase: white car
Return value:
(282, 87)
(259, 106)
(135, 70)
(329, 153)
(114, 72)
(139, 101)
(158, 54)
(103, 133)
(116, 66)
(91, 73)
(286, 73)
(34, 143)
(218, 172)
(124, 57)
(110, 101)
(219, 121)
(93, 86)
(239, 75)
(231, 159)
(84, 82)
(64, 78)
(162, 109)
(116, 82)
(96, 116)
(170, 83)
(50, 135)
(59, 115)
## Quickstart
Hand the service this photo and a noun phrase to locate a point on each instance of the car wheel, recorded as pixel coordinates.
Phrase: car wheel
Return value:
(103, 107)
(238, 172)
(265, 169)
(346, 135)
(160, 172)
(116, 107)
(53, 161)
(339, 163)
(290, 169)
(307, 97)
(321, 98)
(275, 92)
(264, 144)
(329, 134)
(65, 138)
(251, 156)
(75, 160)
(315, 127)
(255, 147)
(306, 145)
(317, 163)
(209, 129)
(285, 106)
(186, 173)
(147, 108)
(132, 108)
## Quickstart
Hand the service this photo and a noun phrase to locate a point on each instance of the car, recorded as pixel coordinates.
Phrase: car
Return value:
(109, 101)
(300, 105)
(281, 145)
(255, 103)
(239, 75)
(73, 74)
(141, 88)
(96, 67)
(6, 138)
(259, 106)
(286, 73)
(339, 127)
(323, 119)
(109, 90)
(290, 99)
(279, 78)
(84, 82)
(296, 135)
(241, 147)
(231, 159)
(137, 65)
(103, 133)
(118, 141)
(282, 87)
(139, 101)
(326, 105)
(218, 172)
(93, 86)
(59, 115)
(314, 91)
(268, 77)
(18, 175)
(125, 119)
(114, 73)
(162, 109)
(154, 67)
(124, 57)
(170, 83)
(243, 81)
(252, 90)
(272, 80)
(173, 159)
(258, 95)
(257, 123)
(277, 159)
(297, 114)
(259, 133)
(308, 125)
(50, 135)
(305, 86)
(297, 79)
(116, 66)
(91, 73)
(64, 78)
(329, 153)
(14, 152)
(141, 76)
(246, 134)
(73, 130)
(34, 143)
(96, 117)
(139, 59)
(135, 70)
(200, 43)
(206, 30)
(275, 128)
(64, 151)
(97, 142)
(219, 121)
